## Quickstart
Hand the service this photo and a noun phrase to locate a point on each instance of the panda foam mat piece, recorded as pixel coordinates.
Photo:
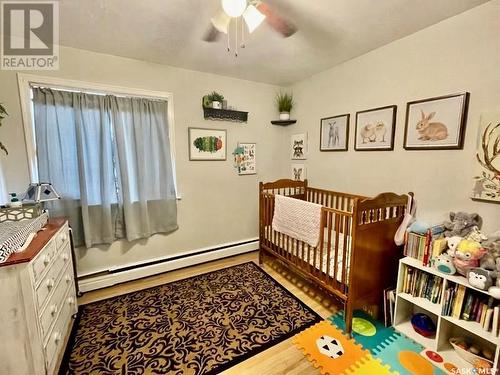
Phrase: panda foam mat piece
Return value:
(329, 350)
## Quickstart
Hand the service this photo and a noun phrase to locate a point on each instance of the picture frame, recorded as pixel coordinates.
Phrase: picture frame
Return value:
(298, 172)
(486, 184)
(375, 129)
(298, 143)
(207, 144)
(245, 161)
(334, 133)
(446, 131)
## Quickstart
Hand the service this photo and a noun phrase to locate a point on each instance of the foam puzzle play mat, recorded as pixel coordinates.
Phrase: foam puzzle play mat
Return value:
(373, 349)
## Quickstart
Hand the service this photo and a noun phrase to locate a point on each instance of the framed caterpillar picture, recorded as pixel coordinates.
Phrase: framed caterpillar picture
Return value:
(207, 144)
(436, 123)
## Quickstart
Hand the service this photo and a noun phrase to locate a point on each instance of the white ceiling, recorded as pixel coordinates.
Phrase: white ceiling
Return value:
(170, 32)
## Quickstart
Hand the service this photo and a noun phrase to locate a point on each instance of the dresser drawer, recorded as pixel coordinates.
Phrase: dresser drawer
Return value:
(56, 301)
(62, 237)
(43, 261)
(57, 335)
(49, 281)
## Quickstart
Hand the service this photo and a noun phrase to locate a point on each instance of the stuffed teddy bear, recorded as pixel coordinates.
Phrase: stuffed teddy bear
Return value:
(461, 224)
(467, 255)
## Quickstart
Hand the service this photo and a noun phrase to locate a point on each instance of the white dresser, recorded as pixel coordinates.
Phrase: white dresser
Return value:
(37, 303)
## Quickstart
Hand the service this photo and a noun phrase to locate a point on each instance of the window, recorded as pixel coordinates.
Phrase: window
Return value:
(110, 157)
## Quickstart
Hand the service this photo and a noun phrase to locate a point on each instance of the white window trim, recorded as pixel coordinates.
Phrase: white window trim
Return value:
(26, 81)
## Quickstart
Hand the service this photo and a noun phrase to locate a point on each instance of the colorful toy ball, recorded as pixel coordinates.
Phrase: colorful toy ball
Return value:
(423, 325)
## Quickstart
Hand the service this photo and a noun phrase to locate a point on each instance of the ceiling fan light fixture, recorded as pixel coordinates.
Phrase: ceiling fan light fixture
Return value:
(221, 22)
(234, 8)
(253, 18)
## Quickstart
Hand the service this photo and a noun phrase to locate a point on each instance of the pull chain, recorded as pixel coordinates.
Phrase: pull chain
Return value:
(228, 33)
(236, 39)
(242, 34)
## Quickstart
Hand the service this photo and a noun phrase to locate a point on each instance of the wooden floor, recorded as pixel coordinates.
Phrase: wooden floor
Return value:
(283, 358)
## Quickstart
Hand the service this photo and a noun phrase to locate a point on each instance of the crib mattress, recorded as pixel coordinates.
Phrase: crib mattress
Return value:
(291, 247)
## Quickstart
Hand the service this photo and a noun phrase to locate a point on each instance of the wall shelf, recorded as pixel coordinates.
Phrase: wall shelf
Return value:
(283, 122)
(224, 114)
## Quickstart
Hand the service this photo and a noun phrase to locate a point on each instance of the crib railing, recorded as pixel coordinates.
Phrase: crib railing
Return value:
(331, 199)
(334, 244)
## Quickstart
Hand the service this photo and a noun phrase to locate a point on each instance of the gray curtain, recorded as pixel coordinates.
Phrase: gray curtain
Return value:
(99, 156)
(147, 184)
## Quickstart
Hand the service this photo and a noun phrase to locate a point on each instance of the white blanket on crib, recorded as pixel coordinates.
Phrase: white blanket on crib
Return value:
(297, 218)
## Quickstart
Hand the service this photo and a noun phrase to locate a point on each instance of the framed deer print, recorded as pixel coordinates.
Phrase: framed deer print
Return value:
(436, 123)
(375, 129)
(334, 133)
(487, 164)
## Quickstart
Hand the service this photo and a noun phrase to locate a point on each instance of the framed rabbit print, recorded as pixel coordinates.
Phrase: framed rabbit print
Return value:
(375, 129)
(436, 123)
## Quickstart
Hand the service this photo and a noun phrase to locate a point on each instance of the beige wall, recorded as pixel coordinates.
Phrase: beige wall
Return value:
(458, 54)
(217, 205)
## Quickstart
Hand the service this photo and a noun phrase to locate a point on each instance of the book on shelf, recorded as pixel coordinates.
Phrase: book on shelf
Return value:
(389, 301)
(422, 284)
(425, 247)
(462, 303)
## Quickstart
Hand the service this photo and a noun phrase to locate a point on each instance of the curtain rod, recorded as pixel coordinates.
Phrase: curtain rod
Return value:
(92, 92)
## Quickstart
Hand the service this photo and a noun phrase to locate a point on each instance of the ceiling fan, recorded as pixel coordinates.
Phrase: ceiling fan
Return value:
(252, 13)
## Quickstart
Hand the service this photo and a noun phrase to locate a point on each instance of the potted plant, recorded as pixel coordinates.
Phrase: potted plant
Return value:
(3, 113)
(216, 99)
(285, 104)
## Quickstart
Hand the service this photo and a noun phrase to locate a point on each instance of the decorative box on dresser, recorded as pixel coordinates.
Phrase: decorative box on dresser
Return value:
(37, 303)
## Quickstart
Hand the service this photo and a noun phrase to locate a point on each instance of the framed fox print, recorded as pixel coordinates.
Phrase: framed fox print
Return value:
(436, 123)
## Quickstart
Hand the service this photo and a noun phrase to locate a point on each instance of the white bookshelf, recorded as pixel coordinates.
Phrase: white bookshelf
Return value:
(447, 326)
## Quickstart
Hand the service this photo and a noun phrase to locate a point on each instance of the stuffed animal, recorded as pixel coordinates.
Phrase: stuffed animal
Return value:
(480, 278)
(491, 261)
(452, 244)
(444, 263)
(461, 224)
(476, 235)
(467, 255)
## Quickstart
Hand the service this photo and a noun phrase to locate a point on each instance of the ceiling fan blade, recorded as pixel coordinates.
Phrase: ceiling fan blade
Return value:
(278, 23)
(218, 24)
(212, 34)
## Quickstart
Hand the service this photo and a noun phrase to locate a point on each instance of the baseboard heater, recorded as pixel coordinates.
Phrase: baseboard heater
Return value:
(136, 271)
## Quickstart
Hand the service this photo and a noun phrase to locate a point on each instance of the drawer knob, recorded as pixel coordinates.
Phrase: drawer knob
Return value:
(65, 257)
(46, 259)
(71, 301)
(67, 279)
(57, 337)
(53, 310)
(50, 283)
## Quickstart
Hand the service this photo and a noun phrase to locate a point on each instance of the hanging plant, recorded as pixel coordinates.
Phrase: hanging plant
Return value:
(3, 114)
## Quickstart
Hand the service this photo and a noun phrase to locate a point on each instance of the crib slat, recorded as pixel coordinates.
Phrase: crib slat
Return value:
(329, 247)
(336, 257)
(346, 262)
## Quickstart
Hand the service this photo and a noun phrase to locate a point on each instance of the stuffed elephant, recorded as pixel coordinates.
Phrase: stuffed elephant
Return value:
(461, 224)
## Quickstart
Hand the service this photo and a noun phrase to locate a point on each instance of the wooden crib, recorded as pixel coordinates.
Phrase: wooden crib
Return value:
(356, 258)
